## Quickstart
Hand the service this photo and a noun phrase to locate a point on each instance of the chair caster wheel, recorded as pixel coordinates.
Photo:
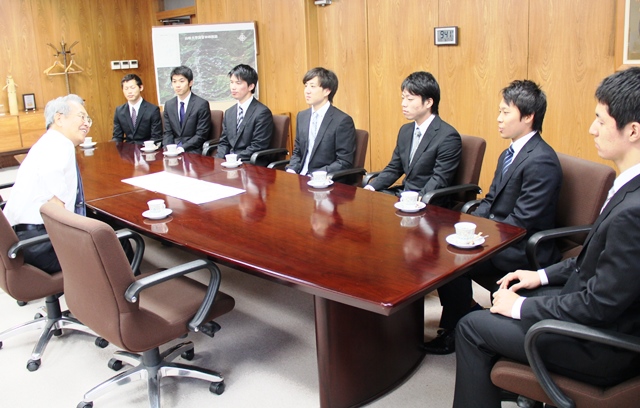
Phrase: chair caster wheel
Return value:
(37, 316)
(83, 404)
(188, 355)
(66, 313)
(33, 365)
(21, 303)
(217, 388)
(100, 342)
(115, 364)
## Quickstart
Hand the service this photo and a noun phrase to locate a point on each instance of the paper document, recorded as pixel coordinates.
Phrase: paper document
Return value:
(185, 188)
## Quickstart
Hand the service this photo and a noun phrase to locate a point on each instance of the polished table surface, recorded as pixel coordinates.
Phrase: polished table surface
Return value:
(349, 247)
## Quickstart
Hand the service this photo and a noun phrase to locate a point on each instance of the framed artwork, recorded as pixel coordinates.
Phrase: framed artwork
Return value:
(29, 101)
(627, 50)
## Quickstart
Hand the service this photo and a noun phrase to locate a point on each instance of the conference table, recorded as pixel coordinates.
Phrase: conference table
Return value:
(367, 265)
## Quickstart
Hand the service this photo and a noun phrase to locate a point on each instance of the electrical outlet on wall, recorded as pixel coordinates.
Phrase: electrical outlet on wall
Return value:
(124, 64)
(115, 65)
(133, 64)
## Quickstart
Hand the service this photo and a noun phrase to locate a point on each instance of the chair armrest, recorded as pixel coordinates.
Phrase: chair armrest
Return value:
(541, 236)
(346, 172)
(441, 192)
(132, 292)
(575, 330)
(469, 206)
(280, 164)
(267, 152)
(6, 185)
(139, 253)
(18, 246)
(367, 178)
(209, 146)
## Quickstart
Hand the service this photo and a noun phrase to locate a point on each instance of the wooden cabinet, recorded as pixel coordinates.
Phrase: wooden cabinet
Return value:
(9, 133)
(22, 131)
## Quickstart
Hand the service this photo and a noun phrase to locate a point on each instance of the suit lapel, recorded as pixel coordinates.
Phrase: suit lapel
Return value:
(326, 121)
(247, 117)
(522, 156)
(425, 141)
(233, 123)
(139, 116)
(303, 125)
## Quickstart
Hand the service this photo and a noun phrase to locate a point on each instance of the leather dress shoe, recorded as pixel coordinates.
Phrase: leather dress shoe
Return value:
(444, 343)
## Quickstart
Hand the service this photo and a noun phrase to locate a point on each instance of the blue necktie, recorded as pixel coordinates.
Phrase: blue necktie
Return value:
(80, 207)
(508, 158)
(181, 112)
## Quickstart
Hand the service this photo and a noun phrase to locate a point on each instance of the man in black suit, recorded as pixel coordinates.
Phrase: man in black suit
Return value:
(599, 287)
(524, 192)
(137, 120)
(248, 124)
(187, 117)
(325, 136)
(428, 150)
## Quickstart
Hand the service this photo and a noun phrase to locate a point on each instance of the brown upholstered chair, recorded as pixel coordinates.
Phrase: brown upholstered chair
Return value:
(210, 146)
(2, 187)
(278, 147)
(136, 313)
(585, 186)
(534, 381)
(354, 176)
(25, 283)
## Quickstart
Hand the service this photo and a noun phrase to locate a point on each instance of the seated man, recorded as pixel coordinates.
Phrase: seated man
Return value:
(248, 124)
(137, 120)
(49, 173)
(428, 150)
(325, 136)
(187, 117)
(598, 288)
(524, 192)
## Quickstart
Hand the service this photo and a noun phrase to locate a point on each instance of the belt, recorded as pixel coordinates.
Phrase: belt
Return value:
(28, 227)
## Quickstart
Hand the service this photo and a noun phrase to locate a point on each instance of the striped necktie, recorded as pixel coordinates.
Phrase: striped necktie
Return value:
(240, 117)
(417, 136)
(508, 158)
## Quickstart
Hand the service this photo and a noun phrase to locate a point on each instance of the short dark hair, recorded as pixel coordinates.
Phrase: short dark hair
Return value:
(620, 92)
(327, 79)
(130, 77)
(245, 73)
(182, 70)
(423, 84)
(527, 96)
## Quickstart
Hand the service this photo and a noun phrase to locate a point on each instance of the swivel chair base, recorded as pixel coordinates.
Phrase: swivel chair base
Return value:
(153, 366)
(49, 325)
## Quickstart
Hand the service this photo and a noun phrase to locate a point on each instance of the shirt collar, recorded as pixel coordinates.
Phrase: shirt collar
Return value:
(135, 106)
(246, 104)
(519, 144)
(626, 176)
(322, 111)
(425, 125)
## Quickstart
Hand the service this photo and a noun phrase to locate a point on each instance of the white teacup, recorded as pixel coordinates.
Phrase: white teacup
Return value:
(149, 144)
(156, 205)
(231, 158)
(319, 177)
(409, 198)
(465, 230)
(172, 148)
(88, 140)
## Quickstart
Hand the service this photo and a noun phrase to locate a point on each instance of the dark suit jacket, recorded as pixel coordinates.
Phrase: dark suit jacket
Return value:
(526, 196)
(601, 287)
(335, 144)
(253, 135)
(148, 124)
(195, 129)
(434, 164)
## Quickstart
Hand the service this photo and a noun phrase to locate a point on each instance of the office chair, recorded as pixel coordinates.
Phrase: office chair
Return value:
(534, 381)
(3, 202)
(210, 146)
(354, 176)
(25, 283)
(136, 313)
(278, 147)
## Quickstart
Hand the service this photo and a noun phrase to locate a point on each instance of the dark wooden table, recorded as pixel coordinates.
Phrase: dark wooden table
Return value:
(367, 265)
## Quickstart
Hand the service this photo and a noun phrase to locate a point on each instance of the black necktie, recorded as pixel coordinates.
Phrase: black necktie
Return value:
(181, 112)
(80, 208)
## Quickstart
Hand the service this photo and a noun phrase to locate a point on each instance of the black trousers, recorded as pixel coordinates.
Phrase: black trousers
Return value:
(42, 255)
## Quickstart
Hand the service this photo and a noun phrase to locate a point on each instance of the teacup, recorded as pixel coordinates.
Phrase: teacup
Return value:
(156, 205)
(465, 231)
(149, 144)
(231, 158)
(319, 177)
(172, 148)
(409, 199)
(88, 140)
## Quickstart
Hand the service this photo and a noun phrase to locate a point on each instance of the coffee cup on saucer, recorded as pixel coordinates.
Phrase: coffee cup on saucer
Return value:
(156, 206)
(231, 158)
(465, 231)
(172, 148)
(149, 144)
(319, 177)
(409, 199)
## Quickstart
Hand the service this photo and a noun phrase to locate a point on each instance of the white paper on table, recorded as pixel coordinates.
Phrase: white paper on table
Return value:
(185, 188)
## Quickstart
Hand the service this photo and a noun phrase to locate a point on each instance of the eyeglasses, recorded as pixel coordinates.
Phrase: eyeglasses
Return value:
(85, 118)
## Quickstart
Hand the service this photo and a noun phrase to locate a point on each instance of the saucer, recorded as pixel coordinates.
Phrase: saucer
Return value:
(456, 242)
(231, 165)
(315, 184)
(157, 215)
(153, 149)
(87, 145)
(419, 206)
(169, 154)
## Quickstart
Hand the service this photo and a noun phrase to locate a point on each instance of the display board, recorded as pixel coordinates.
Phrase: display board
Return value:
(210, 50)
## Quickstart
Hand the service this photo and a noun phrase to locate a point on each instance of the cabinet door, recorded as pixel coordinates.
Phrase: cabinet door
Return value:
(31, 127)
(9, 133)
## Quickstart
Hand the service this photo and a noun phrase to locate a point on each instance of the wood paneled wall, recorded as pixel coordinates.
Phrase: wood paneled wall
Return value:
(566, 46)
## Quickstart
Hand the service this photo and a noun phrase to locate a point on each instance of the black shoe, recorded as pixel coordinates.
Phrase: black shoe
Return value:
(444, 343)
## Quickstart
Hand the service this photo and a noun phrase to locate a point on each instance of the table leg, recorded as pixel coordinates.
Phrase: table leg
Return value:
(363, 355)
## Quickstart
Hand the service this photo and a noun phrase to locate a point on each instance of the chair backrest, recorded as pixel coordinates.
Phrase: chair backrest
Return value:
(22, 281)
(97, 272)
(217, 116)
(281, 129)
(585, 185)
(362, 143)
(468, 172)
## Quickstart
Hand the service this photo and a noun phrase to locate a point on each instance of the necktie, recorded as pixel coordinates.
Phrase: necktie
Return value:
(240, 117)
(181, 112)
(313, 132)
(417, 135)
(134, 117)
(508, 158)
(80, 207)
